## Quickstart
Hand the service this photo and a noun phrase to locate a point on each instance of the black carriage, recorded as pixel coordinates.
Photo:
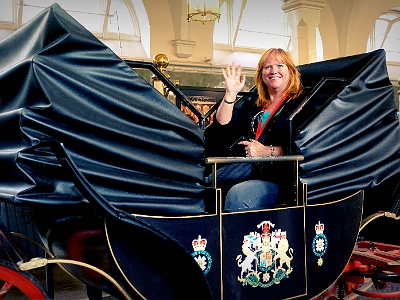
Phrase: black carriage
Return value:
(115, 174)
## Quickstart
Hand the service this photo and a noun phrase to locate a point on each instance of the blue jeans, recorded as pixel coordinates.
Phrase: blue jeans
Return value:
(251, 195)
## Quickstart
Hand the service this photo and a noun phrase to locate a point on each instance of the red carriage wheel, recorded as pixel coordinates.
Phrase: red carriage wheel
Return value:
(23, 281)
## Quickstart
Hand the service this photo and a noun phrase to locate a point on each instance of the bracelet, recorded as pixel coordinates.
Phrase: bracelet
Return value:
(272, 150)
(228, 102)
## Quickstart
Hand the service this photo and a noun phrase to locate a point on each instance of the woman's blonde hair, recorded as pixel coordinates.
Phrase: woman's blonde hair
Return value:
(294, 88)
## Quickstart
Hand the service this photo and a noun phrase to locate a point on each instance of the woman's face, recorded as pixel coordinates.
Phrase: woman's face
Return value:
(275, 74)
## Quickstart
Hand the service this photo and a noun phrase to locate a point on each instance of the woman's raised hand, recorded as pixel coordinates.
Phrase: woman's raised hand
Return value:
(234, 82)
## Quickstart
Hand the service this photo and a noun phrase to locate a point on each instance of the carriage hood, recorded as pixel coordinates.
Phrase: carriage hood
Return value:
(59, 82)
(352, 142)
(140, 151)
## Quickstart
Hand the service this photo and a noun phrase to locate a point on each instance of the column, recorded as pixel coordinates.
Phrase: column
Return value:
(303, 17)
(183, 46)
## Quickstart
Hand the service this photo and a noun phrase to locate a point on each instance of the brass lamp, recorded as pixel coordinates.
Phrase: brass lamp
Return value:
(203, 11)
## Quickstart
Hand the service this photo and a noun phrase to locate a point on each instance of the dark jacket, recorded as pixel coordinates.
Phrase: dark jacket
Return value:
(219, 138)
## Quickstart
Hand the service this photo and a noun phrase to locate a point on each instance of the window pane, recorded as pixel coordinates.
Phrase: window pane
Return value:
(392, 56)
(88, 6)
(124, 33)
(89, 13)
(125, 22)
(29, 13)
(6, 11)
(380, 29)
(394, 34)
(262, 26)
(257, 25)
(263, 17)
(389, 41)
(221, 27)
(261, 40)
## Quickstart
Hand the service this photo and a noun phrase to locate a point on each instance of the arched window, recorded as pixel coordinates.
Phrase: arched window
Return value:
(385, 35)
(114, 22)
(248, 27)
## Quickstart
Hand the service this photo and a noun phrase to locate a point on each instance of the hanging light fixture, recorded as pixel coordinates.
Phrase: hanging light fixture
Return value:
(203, 11)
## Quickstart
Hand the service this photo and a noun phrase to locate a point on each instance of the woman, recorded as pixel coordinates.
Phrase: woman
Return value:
(265, 122)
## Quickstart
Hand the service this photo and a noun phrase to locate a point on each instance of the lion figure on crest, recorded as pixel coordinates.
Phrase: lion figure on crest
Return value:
(283, 247)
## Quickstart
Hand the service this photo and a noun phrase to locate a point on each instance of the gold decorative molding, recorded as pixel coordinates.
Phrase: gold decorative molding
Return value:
(292, 5)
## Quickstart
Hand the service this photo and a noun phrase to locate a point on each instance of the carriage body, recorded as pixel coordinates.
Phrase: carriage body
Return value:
(127, 193)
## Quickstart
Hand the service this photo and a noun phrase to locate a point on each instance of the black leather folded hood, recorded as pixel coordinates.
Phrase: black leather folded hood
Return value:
(353, 142)
(59, 82)
(141, 152)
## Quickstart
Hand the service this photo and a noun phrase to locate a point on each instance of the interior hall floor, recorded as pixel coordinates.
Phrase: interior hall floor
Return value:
(66, 287)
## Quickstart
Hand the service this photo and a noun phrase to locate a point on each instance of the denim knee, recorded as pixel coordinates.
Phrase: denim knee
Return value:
(252, 194)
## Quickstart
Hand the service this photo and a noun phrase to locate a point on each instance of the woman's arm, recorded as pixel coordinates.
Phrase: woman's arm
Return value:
(234, 83)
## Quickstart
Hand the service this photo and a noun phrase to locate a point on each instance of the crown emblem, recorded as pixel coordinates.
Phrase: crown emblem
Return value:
(199, 244)
(319, 228)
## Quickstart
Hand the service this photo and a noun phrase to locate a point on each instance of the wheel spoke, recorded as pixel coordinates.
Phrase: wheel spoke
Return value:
(5, 289)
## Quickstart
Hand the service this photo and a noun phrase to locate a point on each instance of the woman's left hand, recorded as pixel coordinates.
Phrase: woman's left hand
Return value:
(255, 148)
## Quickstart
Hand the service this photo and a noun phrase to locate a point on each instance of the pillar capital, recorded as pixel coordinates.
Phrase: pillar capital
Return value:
(299, 4)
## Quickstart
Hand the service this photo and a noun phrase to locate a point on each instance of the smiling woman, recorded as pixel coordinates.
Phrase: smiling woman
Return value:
(279, 89)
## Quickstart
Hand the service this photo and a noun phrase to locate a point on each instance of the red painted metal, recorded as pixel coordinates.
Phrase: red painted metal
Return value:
(378, 261)
(22, 282)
